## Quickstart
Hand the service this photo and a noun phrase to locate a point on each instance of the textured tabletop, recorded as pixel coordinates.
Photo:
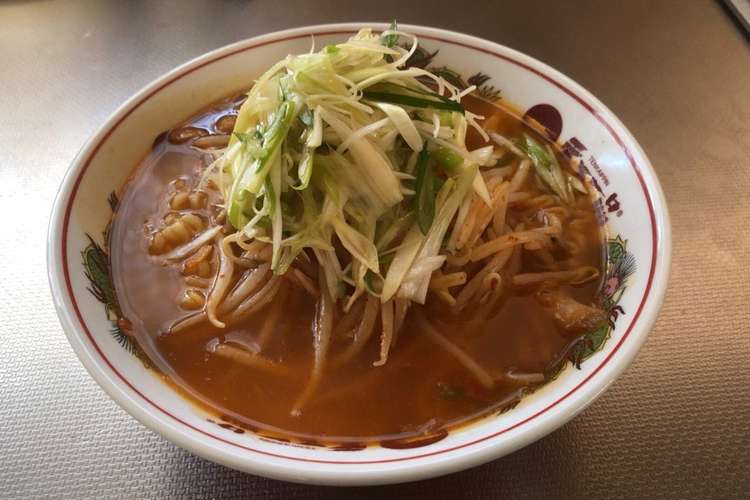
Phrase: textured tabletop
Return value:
(677, 424)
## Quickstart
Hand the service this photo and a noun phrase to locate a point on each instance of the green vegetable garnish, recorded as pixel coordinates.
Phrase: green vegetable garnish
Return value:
(271, 140)
(535, 152)
(448, 159)
(425, 192)
(243, 137)
(391, 39)
(547, 167)
(398, 94)
(329, 155)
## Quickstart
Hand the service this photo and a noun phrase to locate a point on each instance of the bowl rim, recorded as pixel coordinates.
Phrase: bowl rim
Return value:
(563, 409)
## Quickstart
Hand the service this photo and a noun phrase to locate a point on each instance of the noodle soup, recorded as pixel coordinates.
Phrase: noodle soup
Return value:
(332, 302)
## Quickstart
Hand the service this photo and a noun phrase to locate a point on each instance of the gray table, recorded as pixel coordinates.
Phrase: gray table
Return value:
(676, 72)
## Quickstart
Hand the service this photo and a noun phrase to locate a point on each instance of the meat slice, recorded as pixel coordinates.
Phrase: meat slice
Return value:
(571, 315)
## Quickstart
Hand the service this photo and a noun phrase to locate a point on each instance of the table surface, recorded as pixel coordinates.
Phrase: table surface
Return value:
(676, 72)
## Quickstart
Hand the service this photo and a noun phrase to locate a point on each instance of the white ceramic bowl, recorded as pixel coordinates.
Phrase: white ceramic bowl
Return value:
(632, 201)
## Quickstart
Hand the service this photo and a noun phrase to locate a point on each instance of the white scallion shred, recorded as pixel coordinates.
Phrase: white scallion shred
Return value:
(324, 156)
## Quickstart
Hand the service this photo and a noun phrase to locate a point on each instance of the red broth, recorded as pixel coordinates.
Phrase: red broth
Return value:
(421, 390)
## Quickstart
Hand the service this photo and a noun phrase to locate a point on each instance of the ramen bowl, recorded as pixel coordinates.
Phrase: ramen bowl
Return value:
(631, 204)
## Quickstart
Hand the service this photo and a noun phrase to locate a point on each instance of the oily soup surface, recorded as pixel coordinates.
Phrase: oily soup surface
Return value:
(421, 389)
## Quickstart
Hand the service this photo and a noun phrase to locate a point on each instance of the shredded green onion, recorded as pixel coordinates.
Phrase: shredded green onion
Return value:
(547, 167)
(425, 192)
(398, 94)
(331, 152)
